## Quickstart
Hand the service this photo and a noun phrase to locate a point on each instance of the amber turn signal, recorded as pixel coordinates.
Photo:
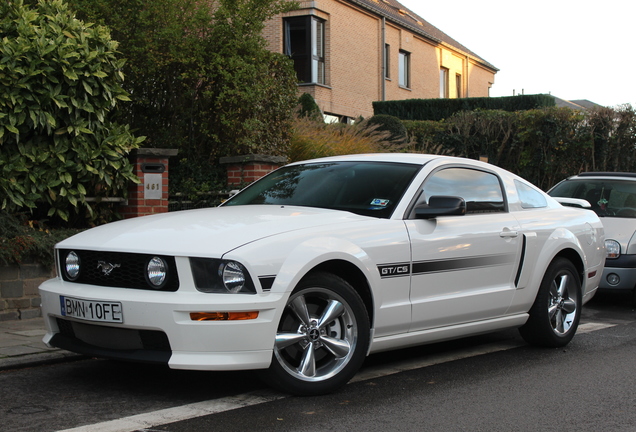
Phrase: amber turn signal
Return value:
(223, 316)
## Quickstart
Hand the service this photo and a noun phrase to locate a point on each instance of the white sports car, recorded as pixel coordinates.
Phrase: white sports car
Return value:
(308, 270)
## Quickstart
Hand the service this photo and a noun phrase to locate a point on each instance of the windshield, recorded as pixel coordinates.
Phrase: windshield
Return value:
(365, 188)
(614, 198)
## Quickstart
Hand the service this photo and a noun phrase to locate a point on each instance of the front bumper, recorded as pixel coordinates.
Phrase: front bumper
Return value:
(624, 267)
(157, 327)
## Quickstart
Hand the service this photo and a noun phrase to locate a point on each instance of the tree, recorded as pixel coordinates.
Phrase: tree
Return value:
(61, 80)
(200, 75)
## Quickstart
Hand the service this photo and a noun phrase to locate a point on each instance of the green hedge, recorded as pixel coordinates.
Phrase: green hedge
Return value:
(542, 145)
(438, 109)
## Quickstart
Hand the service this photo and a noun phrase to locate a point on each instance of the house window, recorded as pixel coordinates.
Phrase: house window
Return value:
(304, 42)
(404, 67)
(458, 85)
(387, 61)
(443, 83)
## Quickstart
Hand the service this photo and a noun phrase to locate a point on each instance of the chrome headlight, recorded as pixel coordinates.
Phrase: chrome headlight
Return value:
(157, 272)
(221, 276)
(233, 276)
(72, 266)
(612, 249)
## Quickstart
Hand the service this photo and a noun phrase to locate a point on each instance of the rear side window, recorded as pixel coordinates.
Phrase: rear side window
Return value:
(530, 197)
(481, 190)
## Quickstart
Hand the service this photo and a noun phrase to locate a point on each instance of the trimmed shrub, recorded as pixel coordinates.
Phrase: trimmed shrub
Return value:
(439, 109)
(308, 108)
(396, 129)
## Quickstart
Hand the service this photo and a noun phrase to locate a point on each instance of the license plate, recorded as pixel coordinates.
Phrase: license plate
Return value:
(91, 310)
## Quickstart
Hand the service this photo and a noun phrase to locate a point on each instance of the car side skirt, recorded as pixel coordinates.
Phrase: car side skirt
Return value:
(440, 334)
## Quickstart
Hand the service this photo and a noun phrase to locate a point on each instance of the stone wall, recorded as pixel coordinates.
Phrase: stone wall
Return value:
(19, 296)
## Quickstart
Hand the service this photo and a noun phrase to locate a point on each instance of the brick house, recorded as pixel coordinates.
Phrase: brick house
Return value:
(350, 53)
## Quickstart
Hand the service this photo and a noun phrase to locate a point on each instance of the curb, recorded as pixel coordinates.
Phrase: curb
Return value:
(39, 359)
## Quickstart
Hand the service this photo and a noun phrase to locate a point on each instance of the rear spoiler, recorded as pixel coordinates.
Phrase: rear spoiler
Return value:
(573, 202)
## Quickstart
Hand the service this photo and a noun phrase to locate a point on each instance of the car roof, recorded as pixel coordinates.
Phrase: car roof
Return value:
(410, 158)
(613, 175)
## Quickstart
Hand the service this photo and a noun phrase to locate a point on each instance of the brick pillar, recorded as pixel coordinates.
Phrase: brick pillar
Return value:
(151, 195)
(242, 170)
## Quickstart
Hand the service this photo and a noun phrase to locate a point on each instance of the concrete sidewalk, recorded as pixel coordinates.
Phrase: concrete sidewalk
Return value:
(21, 345)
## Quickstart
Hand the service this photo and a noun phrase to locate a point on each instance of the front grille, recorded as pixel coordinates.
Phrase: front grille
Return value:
(128, 270)
(113, 338)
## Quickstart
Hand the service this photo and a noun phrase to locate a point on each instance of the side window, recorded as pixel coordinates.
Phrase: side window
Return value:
(304, 43)
(530, 197)
(481, 190)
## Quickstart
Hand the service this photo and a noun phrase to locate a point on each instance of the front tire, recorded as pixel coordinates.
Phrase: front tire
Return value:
(322, 338)
(555, 314)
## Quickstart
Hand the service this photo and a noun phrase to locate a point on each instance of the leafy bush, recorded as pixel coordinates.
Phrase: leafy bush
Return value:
(26, 240)
(61, 80)
(427, 136)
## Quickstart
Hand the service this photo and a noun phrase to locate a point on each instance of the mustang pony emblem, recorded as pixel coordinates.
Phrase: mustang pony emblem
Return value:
(107, 267)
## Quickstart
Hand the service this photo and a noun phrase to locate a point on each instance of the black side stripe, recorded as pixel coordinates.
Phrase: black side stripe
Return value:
(456, 264)
(522, 259)
(445, 265)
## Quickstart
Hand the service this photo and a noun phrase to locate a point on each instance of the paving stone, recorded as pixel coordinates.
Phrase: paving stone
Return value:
(28, 333)
(19, 350)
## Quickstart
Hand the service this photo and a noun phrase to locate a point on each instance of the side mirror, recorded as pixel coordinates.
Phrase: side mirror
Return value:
(441, 206)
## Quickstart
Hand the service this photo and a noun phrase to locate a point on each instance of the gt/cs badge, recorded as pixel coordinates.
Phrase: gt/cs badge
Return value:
(393, 270)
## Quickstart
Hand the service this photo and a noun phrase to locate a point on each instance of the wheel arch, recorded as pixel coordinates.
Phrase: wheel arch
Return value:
(353, 276)
(574, 257)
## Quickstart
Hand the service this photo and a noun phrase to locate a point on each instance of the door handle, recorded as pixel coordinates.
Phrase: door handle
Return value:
(507, 233)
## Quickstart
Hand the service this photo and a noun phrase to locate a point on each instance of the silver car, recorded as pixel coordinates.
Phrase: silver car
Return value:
(612, 195)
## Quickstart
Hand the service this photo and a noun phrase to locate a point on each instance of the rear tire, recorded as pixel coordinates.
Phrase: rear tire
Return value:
(322, 338)
(555, 314)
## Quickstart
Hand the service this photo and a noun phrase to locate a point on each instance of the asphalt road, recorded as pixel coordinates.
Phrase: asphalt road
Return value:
(488, 383)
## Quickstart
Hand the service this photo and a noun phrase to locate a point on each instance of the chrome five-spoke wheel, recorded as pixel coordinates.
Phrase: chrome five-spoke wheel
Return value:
(562, 305)
(322, 337)
(555, 314)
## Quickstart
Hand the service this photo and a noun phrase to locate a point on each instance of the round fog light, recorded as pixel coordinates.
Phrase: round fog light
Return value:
(613, 279)
(157, 272)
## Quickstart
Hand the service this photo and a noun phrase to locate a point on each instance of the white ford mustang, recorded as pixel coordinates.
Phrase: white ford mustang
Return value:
(318, 264)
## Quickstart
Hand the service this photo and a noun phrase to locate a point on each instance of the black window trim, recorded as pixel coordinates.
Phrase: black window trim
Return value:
(410, 210)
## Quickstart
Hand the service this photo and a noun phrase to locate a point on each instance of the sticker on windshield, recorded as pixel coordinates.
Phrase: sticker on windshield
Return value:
(378, 202)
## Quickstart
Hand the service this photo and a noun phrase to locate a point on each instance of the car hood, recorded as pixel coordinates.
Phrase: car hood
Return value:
(619, 229)
(206, 232)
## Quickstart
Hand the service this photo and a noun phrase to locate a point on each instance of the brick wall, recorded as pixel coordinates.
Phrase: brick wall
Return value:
(242, 170)
(353, 60)
(19, 297)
